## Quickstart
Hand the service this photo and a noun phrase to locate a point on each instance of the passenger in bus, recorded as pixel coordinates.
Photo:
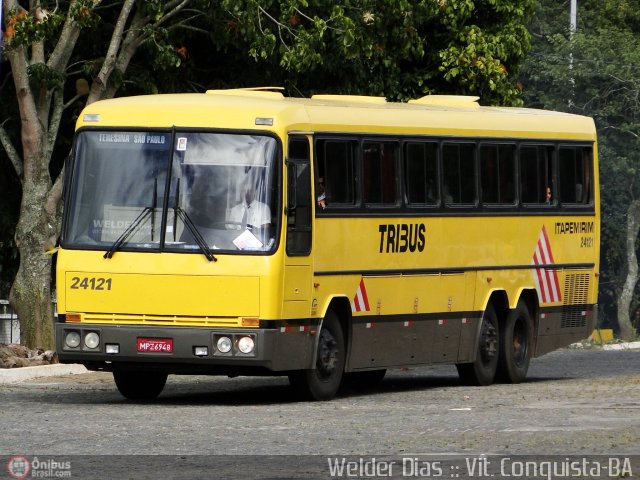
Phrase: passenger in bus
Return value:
(322, 197)
(548, 196)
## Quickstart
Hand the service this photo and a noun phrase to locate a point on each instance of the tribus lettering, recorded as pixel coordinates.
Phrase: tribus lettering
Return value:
(402, 237)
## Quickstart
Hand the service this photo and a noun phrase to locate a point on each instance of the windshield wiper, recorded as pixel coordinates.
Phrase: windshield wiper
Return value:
(127, 233)
(178, 212)
(154, 205)
(202, 243)
(197, 236)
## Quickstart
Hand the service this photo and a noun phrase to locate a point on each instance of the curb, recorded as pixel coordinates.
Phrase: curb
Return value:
(621, 346)
(17, 375)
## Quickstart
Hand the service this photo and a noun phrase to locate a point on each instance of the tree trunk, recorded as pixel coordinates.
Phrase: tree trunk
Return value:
(626, 295)
(31, 291)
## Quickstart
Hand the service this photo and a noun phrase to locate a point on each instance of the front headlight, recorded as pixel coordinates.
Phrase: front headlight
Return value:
(246, 345)
(224, 345)
(92, 340)
(72, 339)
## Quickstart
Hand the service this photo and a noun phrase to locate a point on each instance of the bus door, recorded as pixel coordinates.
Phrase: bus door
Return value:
(298, 265)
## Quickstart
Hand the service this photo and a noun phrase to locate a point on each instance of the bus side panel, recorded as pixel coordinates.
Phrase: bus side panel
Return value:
(408, 320)
(386, 324)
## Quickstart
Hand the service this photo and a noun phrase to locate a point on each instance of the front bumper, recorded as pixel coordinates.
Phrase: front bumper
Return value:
(276, 349)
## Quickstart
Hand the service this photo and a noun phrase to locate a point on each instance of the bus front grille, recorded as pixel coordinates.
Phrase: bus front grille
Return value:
(166, 320)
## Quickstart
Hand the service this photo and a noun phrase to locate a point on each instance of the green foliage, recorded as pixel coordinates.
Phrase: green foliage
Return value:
(398, 48)
(44, 76)
(82, 11)
(152, 8)
(158, 42)
(23, 29)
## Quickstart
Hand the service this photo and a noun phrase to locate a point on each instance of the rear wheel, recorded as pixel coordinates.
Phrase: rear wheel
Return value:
(515, 345)
(139, 385)
(322, 383)
(483, 370)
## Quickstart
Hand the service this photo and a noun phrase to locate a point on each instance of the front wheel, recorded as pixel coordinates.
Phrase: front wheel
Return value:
(515, 345)
(139, 385)
(323, 382)
(483, 370)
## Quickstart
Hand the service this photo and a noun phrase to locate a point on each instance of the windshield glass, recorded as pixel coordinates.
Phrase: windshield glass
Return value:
(118, 176)
(225, 185)
(223, 191)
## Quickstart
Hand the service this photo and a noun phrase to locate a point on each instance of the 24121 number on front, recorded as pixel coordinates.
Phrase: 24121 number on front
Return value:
(91, 283)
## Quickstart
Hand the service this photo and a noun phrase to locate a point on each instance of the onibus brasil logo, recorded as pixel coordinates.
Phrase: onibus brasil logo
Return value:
(21, 467)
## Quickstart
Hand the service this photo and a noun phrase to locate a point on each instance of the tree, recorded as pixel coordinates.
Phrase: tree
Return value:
(40, 69)
(399, 49)
(594, 72)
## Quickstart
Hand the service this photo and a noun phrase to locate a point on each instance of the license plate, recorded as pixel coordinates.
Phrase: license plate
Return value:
(155, 345)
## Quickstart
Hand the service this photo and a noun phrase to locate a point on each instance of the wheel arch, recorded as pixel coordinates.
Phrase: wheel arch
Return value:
(342, 308)
(500, 301)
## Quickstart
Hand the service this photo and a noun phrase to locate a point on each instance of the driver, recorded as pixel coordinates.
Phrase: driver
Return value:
(250, 214)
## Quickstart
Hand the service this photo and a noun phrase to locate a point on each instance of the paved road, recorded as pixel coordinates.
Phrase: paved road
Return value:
(574, 403)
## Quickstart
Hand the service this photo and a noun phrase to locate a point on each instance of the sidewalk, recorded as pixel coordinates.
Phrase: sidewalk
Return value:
(17, 375)
(621, 346)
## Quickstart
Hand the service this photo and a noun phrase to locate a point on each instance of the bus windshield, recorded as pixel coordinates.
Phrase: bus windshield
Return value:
(164, 191)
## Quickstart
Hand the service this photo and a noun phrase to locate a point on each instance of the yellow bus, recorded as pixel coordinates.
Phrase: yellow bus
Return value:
(240, 232)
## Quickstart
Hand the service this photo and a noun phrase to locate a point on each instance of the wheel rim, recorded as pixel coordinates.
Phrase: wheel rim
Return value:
(488, 342)
(520, 343)
(327, 355)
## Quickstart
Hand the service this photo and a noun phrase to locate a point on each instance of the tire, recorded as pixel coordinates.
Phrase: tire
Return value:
(483, 370)
(323, 382)
(515, 345)
(139, 385)
(363, 380)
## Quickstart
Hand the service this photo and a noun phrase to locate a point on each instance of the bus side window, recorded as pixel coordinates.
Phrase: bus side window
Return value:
(497, 174)
(380, 164)
(574, 168)
(421, 173)
(335, 164)
(536, 175)
(458, 166)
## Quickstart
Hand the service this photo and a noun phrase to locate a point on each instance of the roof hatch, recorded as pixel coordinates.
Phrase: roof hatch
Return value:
(263, 92)
(448, 101)
(350, 98)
